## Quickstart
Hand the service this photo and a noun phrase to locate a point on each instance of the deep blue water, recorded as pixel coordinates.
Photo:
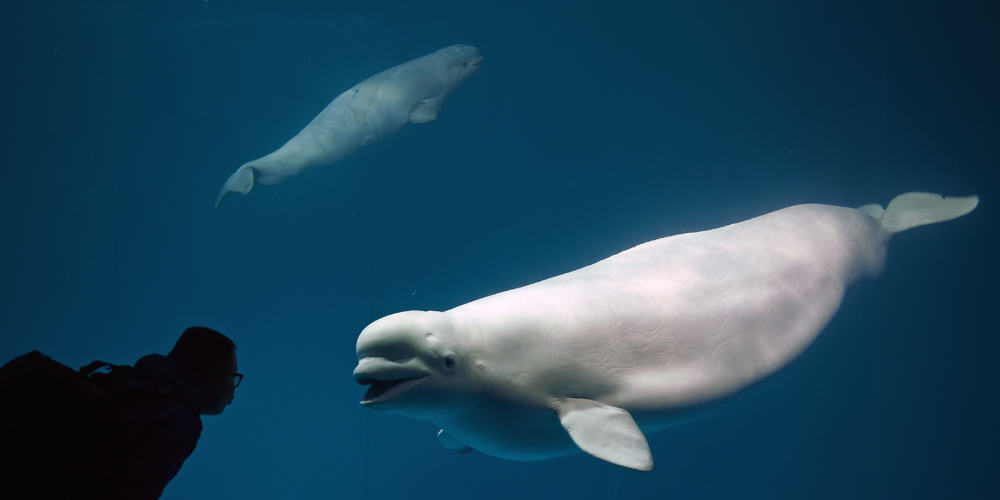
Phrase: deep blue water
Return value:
(592, 127)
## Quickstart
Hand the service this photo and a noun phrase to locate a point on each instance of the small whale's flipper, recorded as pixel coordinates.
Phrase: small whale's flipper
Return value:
(426, 111)
(453, 444)
(917, 209)
(240, 182)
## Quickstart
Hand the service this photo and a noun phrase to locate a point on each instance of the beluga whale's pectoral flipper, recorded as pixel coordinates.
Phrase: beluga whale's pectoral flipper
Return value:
(412, 92)
(453, 444)
(606, 432)
(426, 111)
(596, 359)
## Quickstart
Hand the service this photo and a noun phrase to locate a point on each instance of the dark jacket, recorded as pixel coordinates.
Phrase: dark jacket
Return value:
(163, 429)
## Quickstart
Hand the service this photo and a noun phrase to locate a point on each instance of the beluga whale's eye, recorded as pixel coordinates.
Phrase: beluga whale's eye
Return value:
(465, 64)
(449, 362)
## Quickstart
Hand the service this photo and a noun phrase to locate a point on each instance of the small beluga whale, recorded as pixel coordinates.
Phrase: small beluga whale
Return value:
(596, 358)
(412, 92)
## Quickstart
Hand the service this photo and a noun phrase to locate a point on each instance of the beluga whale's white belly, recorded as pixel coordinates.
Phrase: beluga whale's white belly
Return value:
(592, 359)
(412, 92)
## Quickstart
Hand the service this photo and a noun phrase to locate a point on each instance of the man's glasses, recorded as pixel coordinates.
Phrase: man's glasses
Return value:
(237, 378)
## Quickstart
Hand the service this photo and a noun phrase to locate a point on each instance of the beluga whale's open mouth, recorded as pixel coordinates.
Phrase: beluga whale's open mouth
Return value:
(387, 379)
(384, 390)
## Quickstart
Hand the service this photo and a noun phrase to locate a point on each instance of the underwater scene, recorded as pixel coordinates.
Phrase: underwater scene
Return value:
(289, 173)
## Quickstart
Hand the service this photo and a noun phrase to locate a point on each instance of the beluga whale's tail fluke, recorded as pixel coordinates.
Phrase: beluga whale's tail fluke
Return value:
(240, 182)
(918, 209)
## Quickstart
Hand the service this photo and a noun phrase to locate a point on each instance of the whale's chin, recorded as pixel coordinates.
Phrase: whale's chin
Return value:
(381, 391)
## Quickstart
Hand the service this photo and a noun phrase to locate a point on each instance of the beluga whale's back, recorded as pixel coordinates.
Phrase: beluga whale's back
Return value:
(412, 92)
(593, 359)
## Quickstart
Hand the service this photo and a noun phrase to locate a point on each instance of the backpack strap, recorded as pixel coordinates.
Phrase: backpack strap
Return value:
(94, 366)
(116, 385)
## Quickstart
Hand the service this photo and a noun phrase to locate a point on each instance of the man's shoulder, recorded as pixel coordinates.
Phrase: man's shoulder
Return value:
(166, 383)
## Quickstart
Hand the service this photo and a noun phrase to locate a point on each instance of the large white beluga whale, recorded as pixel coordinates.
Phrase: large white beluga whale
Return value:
(594, 359)
(412, 92)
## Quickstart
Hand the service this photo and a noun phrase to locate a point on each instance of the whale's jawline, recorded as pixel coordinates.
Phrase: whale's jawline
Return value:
(377, 388)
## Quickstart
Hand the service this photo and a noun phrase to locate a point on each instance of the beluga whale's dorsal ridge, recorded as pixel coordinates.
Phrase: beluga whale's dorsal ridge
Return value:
(594, 359)
(412, 92)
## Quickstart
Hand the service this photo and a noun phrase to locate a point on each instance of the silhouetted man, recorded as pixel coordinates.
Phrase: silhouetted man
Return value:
(121, 435)
(198, 377)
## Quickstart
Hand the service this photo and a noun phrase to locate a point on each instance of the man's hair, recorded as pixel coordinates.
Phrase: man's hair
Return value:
(205, 349)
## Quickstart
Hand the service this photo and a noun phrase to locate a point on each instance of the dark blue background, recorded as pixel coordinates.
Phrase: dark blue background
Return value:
(593, 126)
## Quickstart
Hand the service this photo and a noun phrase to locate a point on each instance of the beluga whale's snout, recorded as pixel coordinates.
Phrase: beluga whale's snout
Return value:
(398, 354)
(387, 379)
(475, 58)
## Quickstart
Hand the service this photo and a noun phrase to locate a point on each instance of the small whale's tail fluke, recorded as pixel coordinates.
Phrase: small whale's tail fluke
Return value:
(917, 209)
(240, 182)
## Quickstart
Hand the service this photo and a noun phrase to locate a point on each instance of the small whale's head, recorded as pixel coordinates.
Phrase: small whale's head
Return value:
(413, 363)
(460, 61)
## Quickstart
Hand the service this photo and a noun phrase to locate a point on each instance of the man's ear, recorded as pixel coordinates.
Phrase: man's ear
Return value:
(210, 379)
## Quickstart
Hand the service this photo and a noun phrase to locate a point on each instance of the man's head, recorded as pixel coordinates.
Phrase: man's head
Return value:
(213, 357)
